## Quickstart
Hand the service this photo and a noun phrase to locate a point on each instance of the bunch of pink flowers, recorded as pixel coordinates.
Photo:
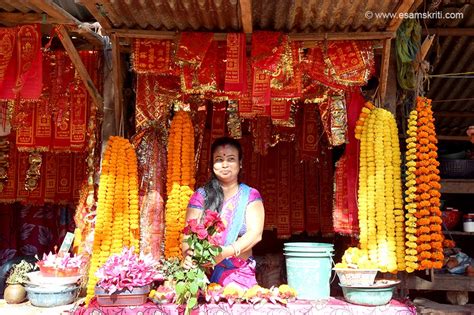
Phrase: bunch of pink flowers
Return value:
(127, 270)
(206, 234)
(62, 261)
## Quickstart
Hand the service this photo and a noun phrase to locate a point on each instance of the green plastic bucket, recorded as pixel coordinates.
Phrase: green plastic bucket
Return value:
(308, 268)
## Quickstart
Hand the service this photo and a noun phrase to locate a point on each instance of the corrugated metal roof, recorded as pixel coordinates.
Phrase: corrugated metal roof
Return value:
(453, 54)
(320, 15)
(173, 15)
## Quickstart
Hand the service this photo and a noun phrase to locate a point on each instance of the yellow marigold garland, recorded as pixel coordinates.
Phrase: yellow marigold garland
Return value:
(180, 180)
(117, 218)
(411, 258)
(379, 194)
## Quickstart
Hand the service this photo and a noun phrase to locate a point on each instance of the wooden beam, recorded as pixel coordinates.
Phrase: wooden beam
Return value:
(391, 94)
(397, 19)
(133, 33)
(91, 6)
(79, 65)
(449, 31)
(384, 69)
(27, 18)
(55, 11)
(246, 15)
(117, 81)
(454, 114)
(453, 138)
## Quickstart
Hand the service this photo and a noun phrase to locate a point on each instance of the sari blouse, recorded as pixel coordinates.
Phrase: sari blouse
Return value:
(229, 206)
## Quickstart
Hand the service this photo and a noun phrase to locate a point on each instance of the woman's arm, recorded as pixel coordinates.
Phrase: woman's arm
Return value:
(254, 219)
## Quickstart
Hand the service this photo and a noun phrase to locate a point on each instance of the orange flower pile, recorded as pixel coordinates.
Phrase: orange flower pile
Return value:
(429, 234)
(180, 181)
(117, 218)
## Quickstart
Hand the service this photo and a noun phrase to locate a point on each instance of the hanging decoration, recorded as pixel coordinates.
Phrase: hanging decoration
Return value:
(4, 161)
(22, 63)
(117, 219)
(380, 194)
(425, 191)
(411, 257)
(179, 180)
(152, 56)
(151, 152)
(236, 65)
(233, 121)
(33, 173)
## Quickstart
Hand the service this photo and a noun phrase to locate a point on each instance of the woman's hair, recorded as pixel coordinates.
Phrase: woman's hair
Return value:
(214, 193)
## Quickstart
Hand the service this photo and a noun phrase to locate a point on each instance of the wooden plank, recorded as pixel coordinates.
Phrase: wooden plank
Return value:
(462, 114)
(457, 186)
(133, 33)
(453, 138)
(246, 15)
(458, 233)
(442, 282)
(391, 94)
(404, 7)
(26, 18)
(79, 65)
(91, 6)
(449, 31)
(117, 80)
(54, 10)
(384, 69)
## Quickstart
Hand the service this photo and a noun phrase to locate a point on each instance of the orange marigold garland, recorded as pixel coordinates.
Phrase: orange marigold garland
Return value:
(428, 186)
(180, 180)
(117, 219)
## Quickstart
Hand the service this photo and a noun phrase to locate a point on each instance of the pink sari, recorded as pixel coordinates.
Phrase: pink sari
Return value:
(232, 269)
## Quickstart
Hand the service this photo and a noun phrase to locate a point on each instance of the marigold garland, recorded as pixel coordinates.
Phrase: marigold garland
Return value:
(423, 219)
(180, 180)
(117, 218)
(380, 195)
(428, 186)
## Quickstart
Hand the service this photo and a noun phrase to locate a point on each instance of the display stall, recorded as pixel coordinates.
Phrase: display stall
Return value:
(322, 152)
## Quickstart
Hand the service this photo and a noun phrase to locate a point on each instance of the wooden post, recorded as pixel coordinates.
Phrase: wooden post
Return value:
(246, 15)
(398, 17)
(79, 65)
(384, 70)
(54, 10)
(391, 95)
(117, 79)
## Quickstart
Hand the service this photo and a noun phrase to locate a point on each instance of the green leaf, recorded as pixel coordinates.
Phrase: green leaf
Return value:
(191, 275)
(193, 287)
(179, 275)
(192, 302)
(180, 287)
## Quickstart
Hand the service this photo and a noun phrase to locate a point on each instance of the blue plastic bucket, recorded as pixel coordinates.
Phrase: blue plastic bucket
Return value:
(308, 267)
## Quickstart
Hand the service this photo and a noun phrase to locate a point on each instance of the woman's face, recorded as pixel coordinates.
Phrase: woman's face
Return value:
(226, 164)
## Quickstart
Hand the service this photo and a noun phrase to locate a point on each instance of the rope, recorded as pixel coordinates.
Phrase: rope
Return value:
(407, 45)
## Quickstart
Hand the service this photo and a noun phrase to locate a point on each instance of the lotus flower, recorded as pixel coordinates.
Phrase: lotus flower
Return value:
(214, 293)
(233, 293)
(163, 294)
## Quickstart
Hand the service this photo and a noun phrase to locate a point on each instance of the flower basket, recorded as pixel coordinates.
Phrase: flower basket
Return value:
(356, 277)
(125, 297)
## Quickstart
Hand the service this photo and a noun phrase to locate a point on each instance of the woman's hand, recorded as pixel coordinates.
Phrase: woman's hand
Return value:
(188, 262)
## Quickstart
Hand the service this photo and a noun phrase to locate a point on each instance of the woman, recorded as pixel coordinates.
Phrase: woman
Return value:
(241, 210)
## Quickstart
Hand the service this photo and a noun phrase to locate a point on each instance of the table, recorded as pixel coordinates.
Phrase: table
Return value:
(334, 306)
